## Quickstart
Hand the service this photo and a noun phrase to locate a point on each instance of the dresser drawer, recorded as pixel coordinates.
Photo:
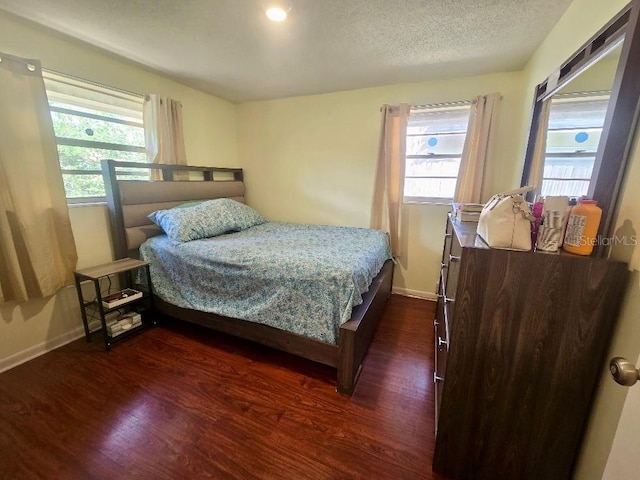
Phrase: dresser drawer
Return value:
(444, 310)
(453, 266)
(440, 351)
(451, 283)
(446, 250)
(441, 346)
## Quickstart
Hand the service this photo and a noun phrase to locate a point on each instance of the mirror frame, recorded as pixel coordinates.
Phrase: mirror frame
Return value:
(620, 121)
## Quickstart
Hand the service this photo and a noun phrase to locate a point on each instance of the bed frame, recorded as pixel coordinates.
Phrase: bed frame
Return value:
(130, 201)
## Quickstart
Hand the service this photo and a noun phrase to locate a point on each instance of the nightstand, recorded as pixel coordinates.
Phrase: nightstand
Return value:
(121, 318)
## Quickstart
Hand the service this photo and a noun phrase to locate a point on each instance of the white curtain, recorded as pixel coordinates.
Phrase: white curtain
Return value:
(389, 182)
(540, 148)
(163, 133)
(37, 248)
(477, 145)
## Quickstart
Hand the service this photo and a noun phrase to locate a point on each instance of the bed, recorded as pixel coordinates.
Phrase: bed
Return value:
(342, 345)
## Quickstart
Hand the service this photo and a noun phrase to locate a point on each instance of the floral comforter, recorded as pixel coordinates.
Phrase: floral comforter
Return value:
(301, 278)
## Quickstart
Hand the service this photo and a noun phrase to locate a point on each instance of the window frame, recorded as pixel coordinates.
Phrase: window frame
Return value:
(74, 99)
(432, 200)
(575, 98)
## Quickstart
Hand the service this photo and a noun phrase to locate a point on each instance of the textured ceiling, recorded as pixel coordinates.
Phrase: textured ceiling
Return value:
(230, 49)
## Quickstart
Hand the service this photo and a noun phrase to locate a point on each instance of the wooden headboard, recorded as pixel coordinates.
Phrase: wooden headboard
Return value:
(130, 201)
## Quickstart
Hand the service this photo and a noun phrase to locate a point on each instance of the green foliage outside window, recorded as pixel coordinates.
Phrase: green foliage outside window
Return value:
(73, 157)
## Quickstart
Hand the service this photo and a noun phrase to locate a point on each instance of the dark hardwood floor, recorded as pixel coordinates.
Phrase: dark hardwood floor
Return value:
(179, 401)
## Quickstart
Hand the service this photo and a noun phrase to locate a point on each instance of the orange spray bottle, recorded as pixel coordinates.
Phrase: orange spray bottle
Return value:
(582, 227)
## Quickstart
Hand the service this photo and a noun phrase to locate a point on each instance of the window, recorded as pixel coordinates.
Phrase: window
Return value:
(573, 135)
(91, 123)
(435, 139)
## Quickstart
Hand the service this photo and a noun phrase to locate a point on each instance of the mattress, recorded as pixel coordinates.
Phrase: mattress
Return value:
(304, 279)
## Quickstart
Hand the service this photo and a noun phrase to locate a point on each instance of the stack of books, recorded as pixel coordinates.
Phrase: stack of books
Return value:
(467, 212)
(111, 317)
(120, 325)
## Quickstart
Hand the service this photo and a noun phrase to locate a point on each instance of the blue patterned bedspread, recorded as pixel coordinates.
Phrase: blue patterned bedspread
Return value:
(301, 278)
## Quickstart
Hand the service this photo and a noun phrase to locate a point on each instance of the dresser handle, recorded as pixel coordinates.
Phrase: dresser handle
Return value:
(443, 266)
(436, 378)
(447, 235)
(454, 258)
(449, 300)
(436, 323)
(442, 342)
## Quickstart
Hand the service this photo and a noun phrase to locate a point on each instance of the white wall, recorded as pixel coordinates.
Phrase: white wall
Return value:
(210, 139)
(312, 159)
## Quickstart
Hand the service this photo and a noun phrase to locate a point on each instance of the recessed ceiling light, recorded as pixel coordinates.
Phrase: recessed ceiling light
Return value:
(276, 14)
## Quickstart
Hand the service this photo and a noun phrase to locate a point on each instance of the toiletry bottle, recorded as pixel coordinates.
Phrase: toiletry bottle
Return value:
(535, 225)
(582, 227)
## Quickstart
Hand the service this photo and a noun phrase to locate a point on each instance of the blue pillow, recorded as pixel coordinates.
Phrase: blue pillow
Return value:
(208, 219)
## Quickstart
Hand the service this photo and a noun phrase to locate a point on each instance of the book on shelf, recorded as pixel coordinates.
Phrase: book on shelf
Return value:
(120, 298)
(110, 318)
(124, 323)
(468, 207)
(468, 216)
(467, 212)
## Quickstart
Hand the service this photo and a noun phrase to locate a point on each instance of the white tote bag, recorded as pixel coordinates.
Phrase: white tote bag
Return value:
(505, 221)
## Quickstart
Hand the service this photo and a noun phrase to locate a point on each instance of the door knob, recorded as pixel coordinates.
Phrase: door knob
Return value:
(623, 371)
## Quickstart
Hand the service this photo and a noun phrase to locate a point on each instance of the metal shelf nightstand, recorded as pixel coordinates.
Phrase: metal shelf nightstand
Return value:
(95, 308)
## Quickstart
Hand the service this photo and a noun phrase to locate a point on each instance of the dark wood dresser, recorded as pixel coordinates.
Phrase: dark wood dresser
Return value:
(521, 340)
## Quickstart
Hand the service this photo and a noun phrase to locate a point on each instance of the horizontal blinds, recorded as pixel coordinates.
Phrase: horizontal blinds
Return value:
(449, 119)
(73, 91)
(570, 112)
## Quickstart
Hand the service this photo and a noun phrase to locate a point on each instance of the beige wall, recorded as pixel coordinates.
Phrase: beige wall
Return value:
(621, 464)
(210, 139)
(605, 426)
(581, 20)
(312, 159)
(209, 122)
(26, 327)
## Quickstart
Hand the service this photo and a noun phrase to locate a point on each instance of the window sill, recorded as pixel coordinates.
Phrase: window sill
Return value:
(88, 203)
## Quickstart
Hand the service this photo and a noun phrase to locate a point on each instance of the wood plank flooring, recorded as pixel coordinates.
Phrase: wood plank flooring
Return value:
(179, 401)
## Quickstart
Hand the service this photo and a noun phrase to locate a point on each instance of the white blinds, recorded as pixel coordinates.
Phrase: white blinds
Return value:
(449, 119)
(578, 111)
(73, 91)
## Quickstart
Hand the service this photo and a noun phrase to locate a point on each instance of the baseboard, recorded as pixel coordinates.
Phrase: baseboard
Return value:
(405, 292)
(37, 350)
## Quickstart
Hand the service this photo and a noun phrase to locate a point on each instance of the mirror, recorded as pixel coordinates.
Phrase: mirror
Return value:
(584, 116)
(573, 121)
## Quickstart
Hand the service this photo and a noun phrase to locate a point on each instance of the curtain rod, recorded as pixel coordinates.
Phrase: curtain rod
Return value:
(95, 84)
